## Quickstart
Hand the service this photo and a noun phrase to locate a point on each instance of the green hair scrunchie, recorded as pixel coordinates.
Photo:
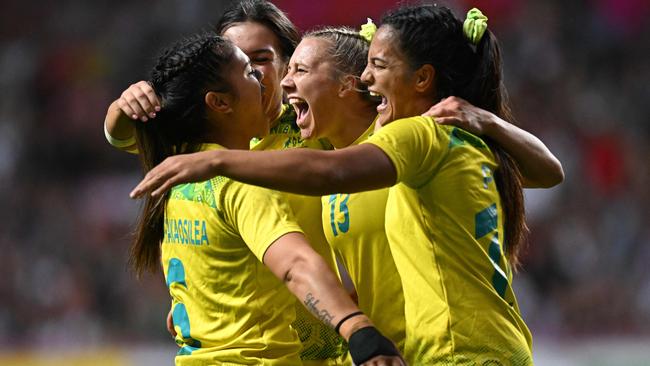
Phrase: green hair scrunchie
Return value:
(475, 25)
(368, 30)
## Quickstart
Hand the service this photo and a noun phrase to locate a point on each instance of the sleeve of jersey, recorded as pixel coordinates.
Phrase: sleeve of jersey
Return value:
(261, 216)
(414, 145)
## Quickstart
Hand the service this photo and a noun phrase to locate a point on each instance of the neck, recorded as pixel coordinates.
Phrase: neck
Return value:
(228, 135)
(273, 114)
(230, 142)
(351, 124)
(416, 106)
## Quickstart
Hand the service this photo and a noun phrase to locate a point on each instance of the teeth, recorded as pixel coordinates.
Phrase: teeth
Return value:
(374, 94)
(295, 101)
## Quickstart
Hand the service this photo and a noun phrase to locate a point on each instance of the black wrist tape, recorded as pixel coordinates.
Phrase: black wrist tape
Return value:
(367, 343)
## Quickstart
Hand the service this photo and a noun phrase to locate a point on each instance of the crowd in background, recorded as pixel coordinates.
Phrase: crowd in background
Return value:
(578, 77)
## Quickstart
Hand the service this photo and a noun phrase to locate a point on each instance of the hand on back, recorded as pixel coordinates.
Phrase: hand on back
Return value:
(458, 112)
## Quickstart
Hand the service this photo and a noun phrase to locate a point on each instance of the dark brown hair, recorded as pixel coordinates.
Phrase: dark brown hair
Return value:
(267, 14)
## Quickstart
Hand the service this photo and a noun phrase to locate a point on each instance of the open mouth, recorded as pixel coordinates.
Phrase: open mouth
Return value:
(301, 107)
(384, 102)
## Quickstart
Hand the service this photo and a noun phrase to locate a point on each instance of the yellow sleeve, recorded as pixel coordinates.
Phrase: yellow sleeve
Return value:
(415, 146)
(259, 215)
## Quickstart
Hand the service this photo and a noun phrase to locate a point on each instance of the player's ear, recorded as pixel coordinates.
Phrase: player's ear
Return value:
(219, 102)
(424, 78)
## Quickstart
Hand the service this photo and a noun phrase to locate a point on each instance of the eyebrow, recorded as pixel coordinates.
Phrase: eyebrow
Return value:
(262, 50)
(299, 64)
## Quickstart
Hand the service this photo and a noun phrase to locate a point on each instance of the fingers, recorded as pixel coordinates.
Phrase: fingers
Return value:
(170, 324)
(440, 110)
(139, 101)
(148, 98)
(159, 180)
(126, 108)
(434, 111)
(444, 108)
(166, 186)
(150, 93)
(147, 184)
(448, 121)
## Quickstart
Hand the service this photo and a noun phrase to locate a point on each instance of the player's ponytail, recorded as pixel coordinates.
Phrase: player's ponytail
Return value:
(488, 88)
(183, 74)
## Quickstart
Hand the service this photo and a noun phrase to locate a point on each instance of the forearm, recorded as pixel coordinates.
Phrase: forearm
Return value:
(309, 278)
(309, 172)
(316, 286)
(303, 171)
(539, 167)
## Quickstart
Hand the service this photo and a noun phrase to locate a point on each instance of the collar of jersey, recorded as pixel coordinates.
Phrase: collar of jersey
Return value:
(211, 146)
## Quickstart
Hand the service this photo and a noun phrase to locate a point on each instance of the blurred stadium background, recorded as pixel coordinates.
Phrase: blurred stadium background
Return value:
(578, 75)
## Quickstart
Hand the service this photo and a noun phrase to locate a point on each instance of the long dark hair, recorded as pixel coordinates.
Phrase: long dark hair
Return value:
(267, 14)
(182, 76)
(429, 34)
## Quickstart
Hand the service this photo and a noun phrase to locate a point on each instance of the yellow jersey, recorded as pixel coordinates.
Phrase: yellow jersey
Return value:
(321, 344)
(354, 227)
(227, 306)
(444, 223)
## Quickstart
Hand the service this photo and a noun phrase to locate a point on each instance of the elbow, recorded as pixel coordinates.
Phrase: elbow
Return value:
(555, 176)
(548, 177)
(559, 175)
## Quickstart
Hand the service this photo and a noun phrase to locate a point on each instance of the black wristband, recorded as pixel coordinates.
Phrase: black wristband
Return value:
(338, 325)
(367, 343)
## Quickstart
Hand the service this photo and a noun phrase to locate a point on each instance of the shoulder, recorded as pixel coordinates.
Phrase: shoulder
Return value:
(204, 193)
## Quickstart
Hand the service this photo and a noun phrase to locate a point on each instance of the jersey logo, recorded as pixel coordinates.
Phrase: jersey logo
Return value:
(487, 175)
(196, 192)
(293, 141)
(461, 137)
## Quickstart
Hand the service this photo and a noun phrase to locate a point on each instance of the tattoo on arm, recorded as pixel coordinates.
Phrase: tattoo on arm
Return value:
(323, 315)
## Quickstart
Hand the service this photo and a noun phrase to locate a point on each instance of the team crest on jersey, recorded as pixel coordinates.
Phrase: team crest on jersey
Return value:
(195, 192)
(461, 137)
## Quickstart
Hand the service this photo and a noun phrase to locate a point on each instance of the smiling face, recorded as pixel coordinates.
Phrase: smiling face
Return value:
(389, 75)
(312, 87)
(248, 108)
(261, 45)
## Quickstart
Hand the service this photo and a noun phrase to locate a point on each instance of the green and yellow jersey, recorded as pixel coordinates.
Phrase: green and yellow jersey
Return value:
(444, 223)
(354, 227)
(321, 344)
(227, 306)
